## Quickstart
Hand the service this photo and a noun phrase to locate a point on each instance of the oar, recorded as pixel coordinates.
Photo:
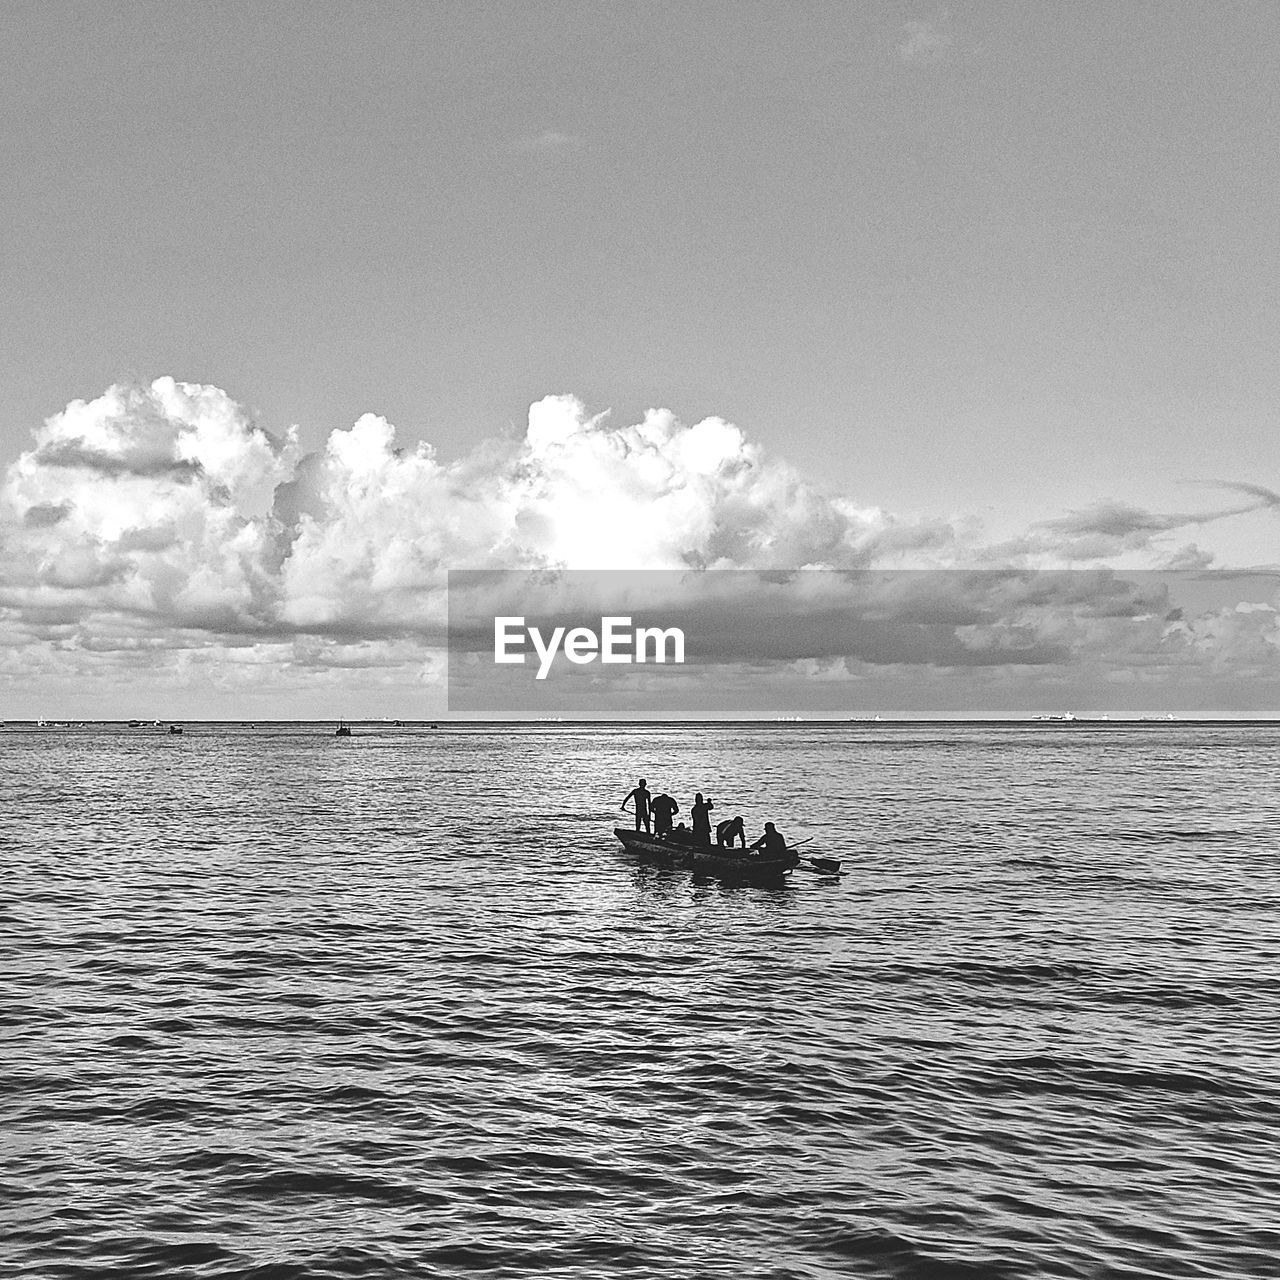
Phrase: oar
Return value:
(826, 866)
(791, 848)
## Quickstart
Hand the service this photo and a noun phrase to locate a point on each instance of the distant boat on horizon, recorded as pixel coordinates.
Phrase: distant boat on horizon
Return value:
(343, 730)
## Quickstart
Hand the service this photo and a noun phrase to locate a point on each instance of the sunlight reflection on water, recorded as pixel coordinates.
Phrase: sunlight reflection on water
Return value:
(399, 1004)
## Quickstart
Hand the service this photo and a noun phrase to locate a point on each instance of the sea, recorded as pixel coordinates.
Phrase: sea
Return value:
(287, 1006)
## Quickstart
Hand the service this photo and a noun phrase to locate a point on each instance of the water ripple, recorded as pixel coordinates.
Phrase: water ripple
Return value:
(291, 1008)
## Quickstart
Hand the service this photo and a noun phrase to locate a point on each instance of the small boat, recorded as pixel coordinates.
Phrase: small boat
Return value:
(175, 728)
(727, 864)
(343, 730)
(711, 860)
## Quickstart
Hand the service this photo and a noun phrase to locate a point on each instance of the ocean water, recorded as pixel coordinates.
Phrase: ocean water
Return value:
(281, 1005)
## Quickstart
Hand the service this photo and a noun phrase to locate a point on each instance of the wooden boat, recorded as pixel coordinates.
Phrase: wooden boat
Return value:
(727, 864)
(710, 860)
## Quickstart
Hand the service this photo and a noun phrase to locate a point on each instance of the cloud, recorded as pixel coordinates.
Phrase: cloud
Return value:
(159, 521)
(926, 43)
(168, 507)
(45, 514)
(1110, 528)
(1265, 497)
(1188, 556)
(146, 502)
(137, 462)
(953, 641)
(1117, 521)
(371, 529)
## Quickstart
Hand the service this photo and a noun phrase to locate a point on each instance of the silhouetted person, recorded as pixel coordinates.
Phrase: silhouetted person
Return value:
(640, 794)
(729, 830)
(681, 834)
(771, 844)
(701, 814)
(663, 808)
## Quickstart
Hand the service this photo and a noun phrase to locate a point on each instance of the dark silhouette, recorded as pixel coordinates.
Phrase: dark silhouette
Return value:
(701, 819)
(771, 844)
(641, 796)
(342, 731)
(729, 830)
(663, 808)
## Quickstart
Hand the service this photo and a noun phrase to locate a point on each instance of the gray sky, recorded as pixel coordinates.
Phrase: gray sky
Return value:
(990, 261)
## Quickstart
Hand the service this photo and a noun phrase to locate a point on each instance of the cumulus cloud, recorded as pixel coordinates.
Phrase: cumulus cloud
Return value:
(161, 524)
(370, 529)
(146, 502)
(167, 506)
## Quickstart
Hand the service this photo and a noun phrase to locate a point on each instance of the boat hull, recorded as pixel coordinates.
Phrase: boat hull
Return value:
(708, 859)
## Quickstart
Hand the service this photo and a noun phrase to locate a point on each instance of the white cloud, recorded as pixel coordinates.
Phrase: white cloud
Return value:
(165, 510)
(147, 502)
(160, 528)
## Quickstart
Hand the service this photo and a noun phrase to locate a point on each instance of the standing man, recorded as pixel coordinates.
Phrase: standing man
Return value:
(640, 794)
(663, 808)
(701, 819)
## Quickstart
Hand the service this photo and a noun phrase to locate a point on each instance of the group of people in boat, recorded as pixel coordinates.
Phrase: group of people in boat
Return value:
(656, 815)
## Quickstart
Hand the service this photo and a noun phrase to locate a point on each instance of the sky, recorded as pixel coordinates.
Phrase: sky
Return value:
(305, 304)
